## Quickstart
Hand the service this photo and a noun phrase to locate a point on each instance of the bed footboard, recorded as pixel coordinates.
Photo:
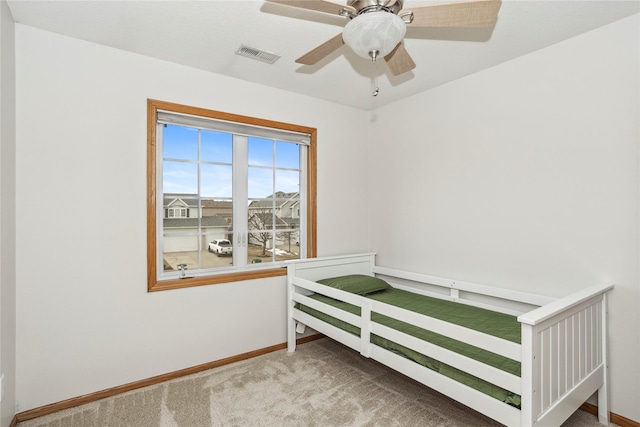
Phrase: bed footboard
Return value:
(564, 357)
(307, 271)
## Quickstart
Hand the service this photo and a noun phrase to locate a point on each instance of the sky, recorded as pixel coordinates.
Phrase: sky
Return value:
(273, 165)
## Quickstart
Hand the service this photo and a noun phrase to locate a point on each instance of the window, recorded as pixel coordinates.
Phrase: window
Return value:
(229, 197)
(176, 213)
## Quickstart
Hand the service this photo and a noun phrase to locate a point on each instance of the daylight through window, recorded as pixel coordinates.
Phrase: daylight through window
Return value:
(230, 197)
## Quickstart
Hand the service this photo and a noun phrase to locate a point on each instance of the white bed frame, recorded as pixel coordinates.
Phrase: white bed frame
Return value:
(563, 354)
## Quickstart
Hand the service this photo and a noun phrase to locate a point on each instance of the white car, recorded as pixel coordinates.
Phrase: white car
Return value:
(221, 247)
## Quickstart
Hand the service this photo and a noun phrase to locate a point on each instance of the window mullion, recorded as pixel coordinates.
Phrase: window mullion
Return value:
(240, 193)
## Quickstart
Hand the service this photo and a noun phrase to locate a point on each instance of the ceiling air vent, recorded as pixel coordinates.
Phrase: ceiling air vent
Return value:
(260, 55)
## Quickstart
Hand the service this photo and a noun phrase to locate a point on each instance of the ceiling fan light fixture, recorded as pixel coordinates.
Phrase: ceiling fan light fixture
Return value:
(374, 32)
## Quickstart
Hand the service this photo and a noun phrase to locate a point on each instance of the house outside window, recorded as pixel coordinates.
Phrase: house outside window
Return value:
(277, 213)
(229, 197)
(176, 212)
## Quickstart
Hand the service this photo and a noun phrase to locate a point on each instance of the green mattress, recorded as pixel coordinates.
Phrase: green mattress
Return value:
(490, 322)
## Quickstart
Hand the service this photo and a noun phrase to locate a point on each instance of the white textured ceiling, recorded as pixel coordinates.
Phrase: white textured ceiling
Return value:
(205, 35)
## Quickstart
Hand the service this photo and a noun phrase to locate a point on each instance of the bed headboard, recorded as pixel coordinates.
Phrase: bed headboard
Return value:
(321, 268)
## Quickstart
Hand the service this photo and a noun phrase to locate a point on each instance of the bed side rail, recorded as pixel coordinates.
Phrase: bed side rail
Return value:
(455, 287)
(487, 342)
(334, 293)
(484, 341)
(564, 357)
(368, 327)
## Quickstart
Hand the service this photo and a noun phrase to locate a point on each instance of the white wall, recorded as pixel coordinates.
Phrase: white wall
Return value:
(7, 215)
(524, 176)
(85, 320)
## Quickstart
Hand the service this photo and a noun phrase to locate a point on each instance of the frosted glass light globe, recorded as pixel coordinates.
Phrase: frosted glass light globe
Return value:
(379, 31)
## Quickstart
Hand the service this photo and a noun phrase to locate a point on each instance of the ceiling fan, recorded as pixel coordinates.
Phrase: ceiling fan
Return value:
(375, 28)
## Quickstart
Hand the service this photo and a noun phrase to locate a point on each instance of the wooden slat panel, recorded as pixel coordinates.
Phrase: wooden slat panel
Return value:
(575, 376)
(562, 357)
(554, 351)
(537, 377)
(568, 404)
(599, 332)
(545, 369)
(570, 353)
(581, 343)
(588, 349)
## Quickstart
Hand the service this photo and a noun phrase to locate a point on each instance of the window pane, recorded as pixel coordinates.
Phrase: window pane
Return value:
(181, 239)
(287, 155)
(260, 227)
(260, 151)
(180, 177)
(288, 181)
(221, 209)
(260, 183)
(289, 210)
(180, 142)
(216, 146)
(179, 248)
(216, 181)
(218, 252)
(287, 245)
(260, 244)
(217, 218)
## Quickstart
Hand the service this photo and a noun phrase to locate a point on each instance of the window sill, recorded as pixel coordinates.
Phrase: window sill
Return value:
(165, 285)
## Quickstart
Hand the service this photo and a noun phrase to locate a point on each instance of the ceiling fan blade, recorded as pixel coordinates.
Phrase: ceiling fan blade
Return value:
(475, 13)
(318, 5)
(321, 51)
(399, 61)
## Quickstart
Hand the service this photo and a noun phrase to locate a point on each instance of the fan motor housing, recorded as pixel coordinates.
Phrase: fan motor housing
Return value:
(364, 6)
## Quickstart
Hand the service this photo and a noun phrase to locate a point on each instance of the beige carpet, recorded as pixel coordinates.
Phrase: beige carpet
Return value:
(321, 384)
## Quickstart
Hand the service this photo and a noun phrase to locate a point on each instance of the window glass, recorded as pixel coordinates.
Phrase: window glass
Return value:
(179, 177)
(180, 142)
(216, 180)
(288, 181)
(216, 146)
(260, 152)
(287, 155)
(260, 182)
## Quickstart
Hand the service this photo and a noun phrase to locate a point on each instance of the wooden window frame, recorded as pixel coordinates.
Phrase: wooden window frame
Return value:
(153, 284)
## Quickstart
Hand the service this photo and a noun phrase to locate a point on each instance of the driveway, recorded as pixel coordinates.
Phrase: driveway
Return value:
(210, 260)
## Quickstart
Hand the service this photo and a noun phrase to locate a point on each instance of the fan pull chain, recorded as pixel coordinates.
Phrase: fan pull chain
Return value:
(374, 80)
